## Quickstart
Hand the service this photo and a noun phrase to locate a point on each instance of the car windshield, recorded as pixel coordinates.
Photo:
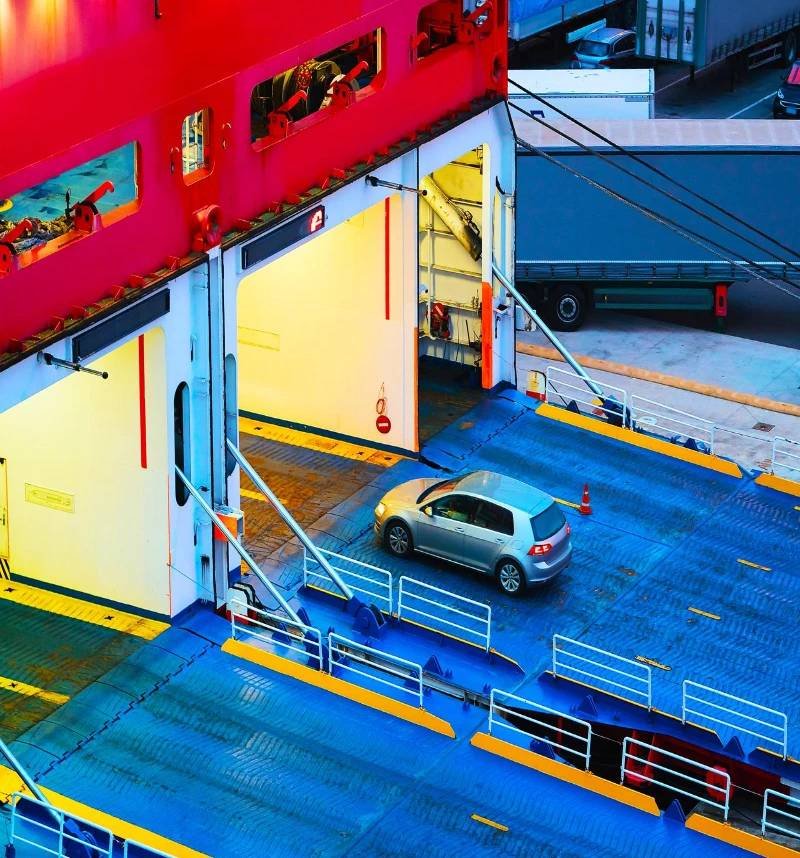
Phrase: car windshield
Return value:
(548, 522)
(593, 49)
(443, 486)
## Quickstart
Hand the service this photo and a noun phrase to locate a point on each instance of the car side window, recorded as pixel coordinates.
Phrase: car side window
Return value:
(626, 43)
(455, 507)
(494, 517)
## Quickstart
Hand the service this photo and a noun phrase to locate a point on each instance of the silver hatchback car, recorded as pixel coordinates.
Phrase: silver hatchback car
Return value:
(486, 521)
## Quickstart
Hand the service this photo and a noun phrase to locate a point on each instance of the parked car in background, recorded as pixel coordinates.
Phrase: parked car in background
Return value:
(485, 521)
(787, 98)
(607, 47)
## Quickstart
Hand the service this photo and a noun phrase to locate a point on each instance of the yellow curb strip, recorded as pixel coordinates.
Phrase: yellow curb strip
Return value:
(490, 822)
(705, 614)
(666, 380)
(32, 691)
(565, 772)
(78, 609)
(637, 439)
(736, 837)
(754, 565)
(644, 660)
(326, 682)
(779, 484)
(11, 783)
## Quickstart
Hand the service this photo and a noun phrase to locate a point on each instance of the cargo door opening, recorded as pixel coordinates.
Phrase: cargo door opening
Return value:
(326, 368)
(83, 484)
(451, 292)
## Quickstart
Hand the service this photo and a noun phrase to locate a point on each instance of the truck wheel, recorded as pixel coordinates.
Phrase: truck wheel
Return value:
(568, 308)
(790, 47)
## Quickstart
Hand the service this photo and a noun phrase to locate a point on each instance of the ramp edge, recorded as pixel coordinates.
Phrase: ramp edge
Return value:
(736, 837)
(645, 442)
(566, 773)
(779, 484)
(337, 686)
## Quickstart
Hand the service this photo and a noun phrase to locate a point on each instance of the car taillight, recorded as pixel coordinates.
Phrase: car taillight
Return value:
(538, 550)
(569, 529)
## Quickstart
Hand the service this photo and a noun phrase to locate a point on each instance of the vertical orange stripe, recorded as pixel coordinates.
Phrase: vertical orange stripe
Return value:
(487, 336)
(142, 407)
(387, 205)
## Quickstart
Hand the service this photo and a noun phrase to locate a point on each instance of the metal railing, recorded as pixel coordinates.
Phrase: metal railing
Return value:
(785, 457)
(564, 386)
(790, 812)
(713, 786)
(276, 630)
(556, 735)
(362, 578)
(667, 421)
(445, 612)
(56, 832)
(603, 670)
(742, 716)
(375, 666)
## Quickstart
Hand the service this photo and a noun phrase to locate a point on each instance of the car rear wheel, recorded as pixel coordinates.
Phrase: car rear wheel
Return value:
(568, 308)
(397, 539)
(510, 577)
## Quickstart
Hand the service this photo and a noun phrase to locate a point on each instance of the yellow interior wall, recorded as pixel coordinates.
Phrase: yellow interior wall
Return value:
(80, 438)
(315, 347)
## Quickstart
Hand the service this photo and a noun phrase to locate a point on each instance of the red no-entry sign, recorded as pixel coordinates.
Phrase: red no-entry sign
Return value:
(383, 424)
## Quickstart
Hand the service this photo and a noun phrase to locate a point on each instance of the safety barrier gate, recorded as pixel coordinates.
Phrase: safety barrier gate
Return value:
(644, 764)
(371, 583)
(47, 829)
(603, 670)
(719, 709)
(445, 612)
(780, 810)
(374, 665)
(293, 637)
(570, 737)
(563, 387)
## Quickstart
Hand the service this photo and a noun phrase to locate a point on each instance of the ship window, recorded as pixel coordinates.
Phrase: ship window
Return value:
(182, 434)
(437, 26)
(301, 91)
(195, 149)
(73, 204)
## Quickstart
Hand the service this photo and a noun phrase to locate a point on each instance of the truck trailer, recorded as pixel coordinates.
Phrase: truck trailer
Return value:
(744, 33)
(579, 248)
(564, 21)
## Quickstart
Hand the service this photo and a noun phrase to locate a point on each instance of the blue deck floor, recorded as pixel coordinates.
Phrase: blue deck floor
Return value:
(234, 760)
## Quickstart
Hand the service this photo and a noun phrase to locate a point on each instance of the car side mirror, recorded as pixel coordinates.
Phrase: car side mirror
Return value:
(428, 510)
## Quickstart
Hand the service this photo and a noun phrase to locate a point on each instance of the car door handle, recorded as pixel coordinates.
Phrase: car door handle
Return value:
(458, 529)
(500, 540)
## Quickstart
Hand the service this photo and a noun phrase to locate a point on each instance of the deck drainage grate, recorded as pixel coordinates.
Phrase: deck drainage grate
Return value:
(763, 427)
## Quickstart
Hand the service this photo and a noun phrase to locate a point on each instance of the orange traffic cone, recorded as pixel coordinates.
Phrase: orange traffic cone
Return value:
(585, 507)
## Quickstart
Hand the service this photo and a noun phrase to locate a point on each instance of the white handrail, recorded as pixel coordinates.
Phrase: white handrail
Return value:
(266, 624)
(373, 577)
(768, 807)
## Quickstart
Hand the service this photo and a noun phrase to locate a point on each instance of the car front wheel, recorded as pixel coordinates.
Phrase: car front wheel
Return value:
(510, 577)
(397, 539)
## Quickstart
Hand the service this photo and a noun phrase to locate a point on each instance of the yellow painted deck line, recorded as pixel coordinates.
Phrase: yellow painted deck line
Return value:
(637, 439)
(87, 612)
(754, 565)
(652, 662)
(565, 772)
(702, 613)
(32, 691)
(736, 837)
(298, 438)
(779, 484)
(10, 783)
(666, 380)
(568, 503)
(246, 493)
(490, 822)
(413, 714)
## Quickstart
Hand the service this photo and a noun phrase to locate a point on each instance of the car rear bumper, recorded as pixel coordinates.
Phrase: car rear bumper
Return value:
(542, 572)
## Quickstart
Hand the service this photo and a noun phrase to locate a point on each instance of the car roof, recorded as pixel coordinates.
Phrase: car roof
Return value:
(606, 34)
(505, 490)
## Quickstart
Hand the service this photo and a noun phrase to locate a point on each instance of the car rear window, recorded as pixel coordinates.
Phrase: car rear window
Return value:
(593, 49)
(443, 486)
(548, 522)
